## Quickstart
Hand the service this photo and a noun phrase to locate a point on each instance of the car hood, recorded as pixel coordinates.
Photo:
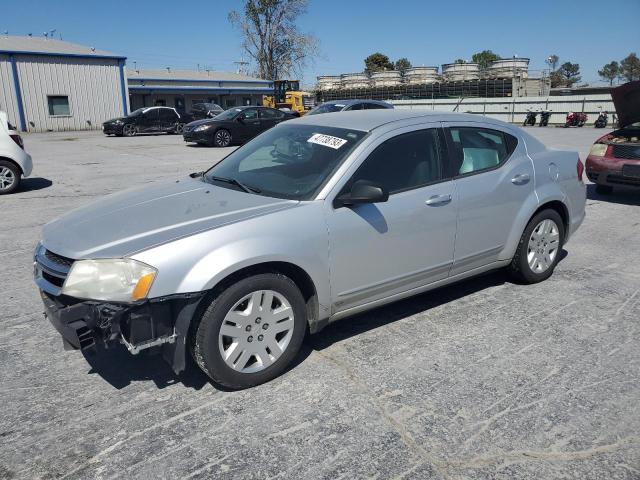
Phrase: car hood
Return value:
(201, 122)
(626, 98)
(135, 220)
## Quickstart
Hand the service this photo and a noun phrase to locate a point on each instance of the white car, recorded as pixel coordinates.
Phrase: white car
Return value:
(15, 163)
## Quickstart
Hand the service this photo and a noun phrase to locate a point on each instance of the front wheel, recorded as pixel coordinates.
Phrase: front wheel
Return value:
(251, 331)
(10, 176)
(222, 138)
(539, 249)
(129, 130)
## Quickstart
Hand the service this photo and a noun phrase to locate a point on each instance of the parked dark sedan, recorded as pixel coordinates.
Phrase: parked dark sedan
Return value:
(147, 120)
(234, 126)
(201, 111)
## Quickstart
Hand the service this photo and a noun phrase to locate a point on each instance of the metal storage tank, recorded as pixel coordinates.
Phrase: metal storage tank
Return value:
(509, 68)
(389, 78)
(355, 80)
(454, 72)
(421, 75)
(329, 82)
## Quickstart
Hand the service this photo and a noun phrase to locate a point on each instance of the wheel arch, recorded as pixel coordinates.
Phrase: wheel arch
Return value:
(12, 161)
(297, 274)
(559, 207)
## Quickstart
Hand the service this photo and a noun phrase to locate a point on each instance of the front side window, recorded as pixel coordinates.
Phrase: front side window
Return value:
(58, 105)
(327, 108)
(357, 106)
(250, 114)
(404, 162)
(288, 161)
(478, 149)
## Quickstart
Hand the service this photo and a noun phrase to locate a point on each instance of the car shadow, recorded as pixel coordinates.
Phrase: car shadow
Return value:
(621, 194)
(34, 183)
(119, 368)
(198, 145)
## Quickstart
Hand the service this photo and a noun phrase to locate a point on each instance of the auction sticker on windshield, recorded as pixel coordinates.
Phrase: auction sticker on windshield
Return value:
(327, 140)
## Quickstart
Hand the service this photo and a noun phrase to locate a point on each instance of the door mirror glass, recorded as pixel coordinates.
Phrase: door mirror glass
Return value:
(363, 191)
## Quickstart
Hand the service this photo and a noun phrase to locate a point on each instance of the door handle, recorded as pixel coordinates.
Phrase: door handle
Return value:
(520, 179)
(437, 200)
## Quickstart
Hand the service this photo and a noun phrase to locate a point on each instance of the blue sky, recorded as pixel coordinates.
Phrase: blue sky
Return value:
(156, 34)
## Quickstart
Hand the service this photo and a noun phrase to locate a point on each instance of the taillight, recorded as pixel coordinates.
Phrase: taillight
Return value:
(580, 168)
(18, 139)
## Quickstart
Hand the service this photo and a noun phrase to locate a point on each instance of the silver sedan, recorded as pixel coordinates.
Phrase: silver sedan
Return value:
(310, 222)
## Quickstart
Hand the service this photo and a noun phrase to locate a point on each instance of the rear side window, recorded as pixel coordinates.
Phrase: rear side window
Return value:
(479, 149)
(270, 113)
(374, 106)
(168, 114)
(404, 162)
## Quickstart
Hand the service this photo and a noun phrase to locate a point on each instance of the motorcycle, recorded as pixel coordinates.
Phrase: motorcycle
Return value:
(531, 119)
(544, 118)
(575, 119)
(602, 120)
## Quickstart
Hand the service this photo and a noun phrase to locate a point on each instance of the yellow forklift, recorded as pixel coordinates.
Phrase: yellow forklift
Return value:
(287, 94)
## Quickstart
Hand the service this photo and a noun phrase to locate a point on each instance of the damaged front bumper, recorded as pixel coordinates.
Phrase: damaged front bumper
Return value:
(159, 322)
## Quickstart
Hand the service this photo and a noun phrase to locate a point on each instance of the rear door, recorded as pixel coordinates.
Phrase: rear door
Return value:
(269, 117)
(494, 178)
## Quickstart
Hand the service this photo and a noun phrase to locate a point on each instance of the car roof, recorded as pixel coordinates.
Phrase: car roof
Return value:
(367, 120)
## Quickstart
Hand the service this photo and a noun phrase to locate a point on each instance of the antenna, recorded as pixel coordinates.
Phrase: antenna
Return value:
(241, 66)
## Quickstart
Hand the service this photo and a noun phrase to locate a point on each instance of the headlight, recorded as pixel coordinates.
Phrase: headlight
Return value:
(598, 149)
(202, 128)
(114, 280)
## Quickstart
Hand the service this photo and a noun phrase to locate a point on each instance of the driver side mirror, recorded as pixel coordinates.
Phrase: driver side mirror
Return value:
(362, 191)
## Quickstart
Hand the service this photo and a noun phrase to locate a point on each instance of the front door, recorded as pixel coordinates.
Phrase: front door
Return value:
(494, 178)
(383, 249)
(148, 121)
(250, 124)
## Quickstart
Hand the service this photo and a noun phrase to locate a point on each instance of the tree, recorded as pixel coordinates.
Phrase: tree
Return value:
(402, 64)
(460, 60)
(271, 37)
(630, 68)
(556, 79)
(610, 72)
(484, 58)
(570, 73)
(377, 62)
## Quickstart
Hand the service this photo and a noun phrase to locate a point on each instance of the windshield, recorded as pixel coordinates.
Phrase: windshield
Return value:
(289, 161)
(136, 112)
(327, 108)
(228, 114)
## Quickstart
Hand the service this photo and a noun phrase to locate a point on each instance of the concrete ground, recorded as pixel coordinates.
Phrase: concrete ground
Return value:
(482, 380)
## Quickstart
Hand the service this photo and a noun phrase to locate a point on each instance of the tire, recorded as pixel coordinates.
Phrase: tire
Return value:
(260, 336)
(521, 268)
(604, 189)
(129, 130)
(10, 177)
(222, 138)
(179, 129)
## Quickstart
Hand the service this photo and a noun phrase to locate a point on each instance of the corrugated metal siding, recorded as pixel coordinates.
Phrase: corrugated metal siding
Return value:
(7, 91)
(515, 109)
(92, 85)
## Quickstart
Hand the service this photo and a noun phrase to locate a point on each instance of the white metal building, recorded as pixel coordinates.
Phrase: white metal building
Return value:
(182, 88)
(51, 85)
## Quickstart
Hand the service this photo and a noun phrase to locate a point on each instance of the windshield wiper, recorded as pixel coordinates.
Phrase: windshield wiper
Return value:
(235, 182)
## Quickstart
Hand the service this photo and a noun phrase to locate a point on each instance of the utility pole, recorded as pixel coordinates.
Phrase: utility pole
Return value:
(241, 67)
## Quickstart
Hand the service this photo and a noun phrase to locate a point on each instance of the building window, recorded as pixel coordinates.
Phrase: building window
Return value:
(58, 105)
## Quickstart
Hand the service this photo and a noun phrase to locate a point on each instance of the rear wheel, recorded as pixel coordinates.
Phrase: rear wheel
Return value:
(604, 189)
(539, 249)
(222, 138)
(251, 331)
(179, 129)
(10, 176)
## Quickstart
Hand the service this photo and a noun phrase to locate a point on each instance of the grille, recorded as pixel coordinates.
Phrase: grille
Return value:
(631, 152)
(58, 259)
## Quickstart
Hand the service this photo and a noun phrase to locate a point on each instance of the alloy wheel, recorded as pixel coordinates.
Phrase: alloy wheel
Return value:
(256, 331)
(129, 130)
(543, 246)
(180, 128)
(7, 178)
(223, 138)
